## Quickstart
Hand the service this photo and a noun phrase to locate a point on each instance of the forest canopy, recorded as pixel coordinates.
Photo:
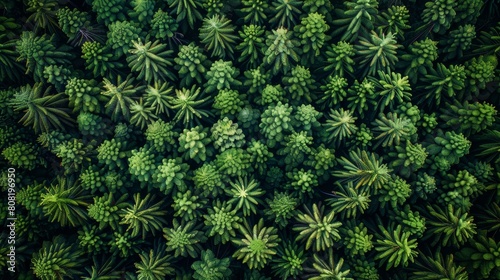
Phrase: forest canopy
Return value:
(250, 139)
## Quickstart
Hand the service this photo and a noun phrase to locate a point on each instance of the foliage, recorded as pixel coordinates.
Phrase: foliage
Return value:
(259, 155)
(449, 146)
(377, 52)
(190, 64)
(210, 267)
(74, 154)
(408, 158)
(216, 34)
(437, 266)
(163, 25)
(394, 20)
(119, 97)
(490, 146)
(364, 169)
(299, 84)
(289, 262)
(472, 118)
(245, 194)
(328, 268)
(100, 59)
(155, 264)
(361, 96)
(228, 102)
(362, 137)
(142, 10)
(394, 192)
(83, 95)
(106, 210)
(64, 201)
(109, 11)
(257, 245)
(216, 122)
(275, 121)
(281, 208)
(280, 50)
(443, 82)
(21, 155)
(186, 10)
(221, 221)
(339, 59)
(334, 91)
(459, 41)
(9, 66)
(479, 72)
(188, 105)
(170, 175)
(306, 118)
(43, 14)
(184, 239)
(357, 241)
(390, 129)
(420, 58)
(222, 75)
(449, 226)
(111, 154)
(42, 110)
(57, 259)
(144, 216)
(302, 182)
(255, 11)
(121, 36)
(161, 136)
(142, 164)
(317, 228)
(252, 45)
(439, 14)
(296, 147)
(90, 240)
(393, 89)
(357, 19)
(285, 13)
(71, 21)
(394, 247)
(340, 125)
(233, 162)
(142, 116)
(347, 201)
(312, 34)
(481, 255)
(151, 60)
(122, 244)
(91, 179)
(192, 142)
(208, 180)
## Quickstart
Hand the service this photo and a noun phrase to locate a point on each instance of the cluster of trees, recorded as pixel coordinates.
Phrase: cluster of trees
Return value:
(263, 139)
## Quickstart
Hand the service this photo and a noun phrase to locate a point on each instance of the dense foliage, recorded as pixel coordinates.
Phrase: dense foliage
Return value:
(251, 139)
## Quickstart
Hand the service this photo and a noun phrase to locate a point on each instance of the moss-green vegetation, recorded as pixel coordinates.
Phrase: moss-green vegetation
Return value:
(251, 139)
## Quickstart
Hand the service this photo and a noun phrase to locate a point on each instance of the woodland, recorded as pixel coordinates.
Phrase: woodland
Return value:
(250, 139)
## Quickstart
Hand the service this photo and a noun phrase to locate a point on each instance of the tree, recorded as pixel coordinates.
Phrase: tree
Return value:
(144, 216)
(394, 247)
(318, 229)
(281, 50)
(210, 267)
(64, 201)
(151, 60)
(364, 169)
(257, 245)
(217, 35)
(57, 259)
